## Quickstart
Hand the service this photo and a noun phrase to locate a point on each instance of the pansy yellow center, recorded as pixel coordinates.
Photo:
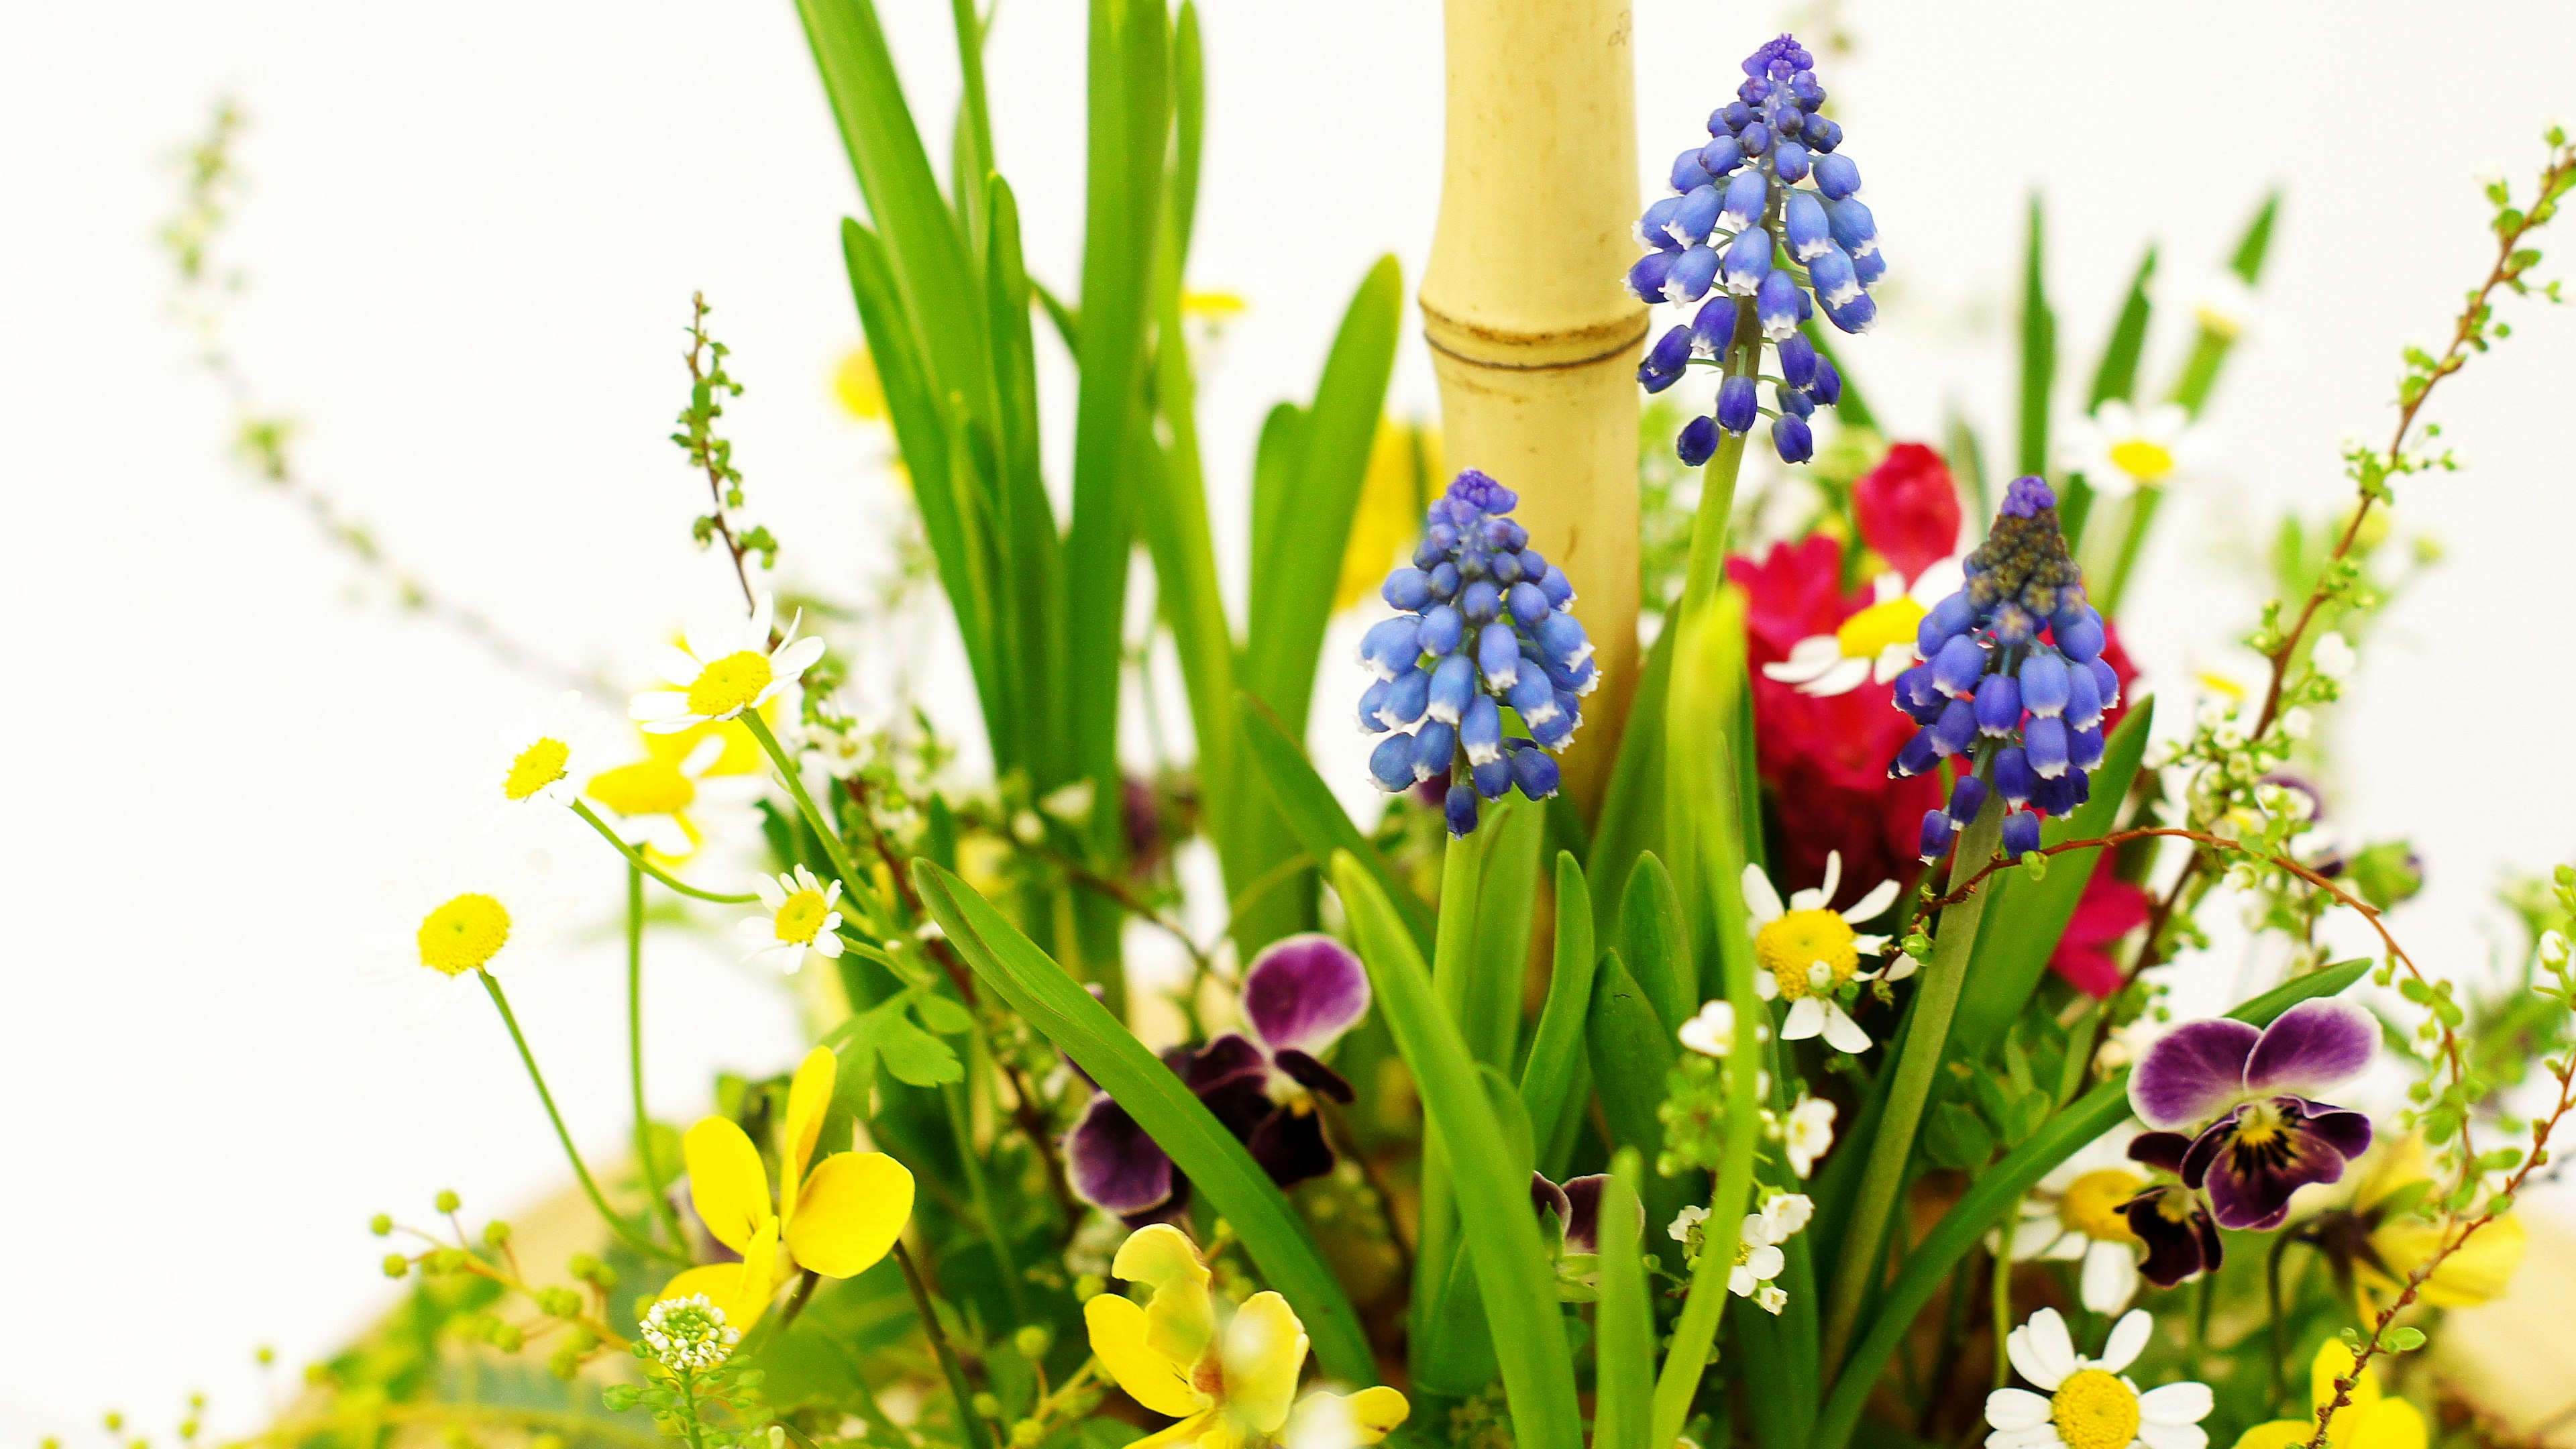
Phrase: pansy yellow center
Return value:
(802, 917)
(728, 684)
(647, 787)
(2146, 461)
(2091, 1204)
(1791, 945)
(2258, 1126)
(2094, 1410)
(539, 765)
(1873, 630)
(464, 934)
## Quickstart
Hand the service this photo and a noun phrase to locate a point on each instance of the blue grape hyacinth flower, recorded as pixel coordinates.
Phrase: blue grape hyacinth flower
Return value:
(1485, 625)
(2011, 665)
(1765, 224)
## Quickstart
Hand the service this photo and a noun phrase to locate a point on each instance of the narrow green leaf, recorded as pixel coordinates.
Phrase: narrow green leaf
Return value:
(973, 156)
(2117, 374)
(2038, 351)
(1655, 942)
(1314, 817)
(1996, 1189)
(1189, 122)
(1632, 811)
(1029, 582)
(1311, 519)
(1967, 461)
(1554, 1081)
(1061, 1011)
(1274, 480)
(1513, 832)
(1513, 1274)
(2209, 351)
(1632, 1058)
(1624, 1342)
(1068, 327)
(2030, 916)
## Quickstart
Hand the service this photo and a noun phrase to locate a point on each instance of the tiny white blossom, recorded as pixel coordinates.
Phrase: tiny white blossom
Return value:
(2553, 948)
(1684, 1221)
(2334, 657)
(1712, 1032)
(2297, 723)
(1811, 1133)
(688, 1333)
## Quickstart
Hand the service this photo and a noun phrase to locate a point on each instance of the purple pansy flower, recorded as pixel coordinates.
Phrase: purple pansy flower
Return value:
(2170, 1218)
(2235, 1108)
(1299, 996)
(1577, 1205)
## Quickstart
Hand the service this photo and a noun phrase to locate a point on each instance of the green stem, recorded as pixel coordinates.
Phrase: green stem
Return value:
(616, 1224)
(952, 1098)
(2000, 1290)
(789, 776)
(2142, 516)
(645, 1162)
(636, 859)
(1926, 1040)
(968, 1425)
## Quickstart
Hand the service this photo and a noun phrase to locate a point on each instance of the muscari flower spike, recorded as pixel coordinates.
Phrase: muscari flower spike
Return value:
(1487, 625)
(2012, 673)
(1766, 252)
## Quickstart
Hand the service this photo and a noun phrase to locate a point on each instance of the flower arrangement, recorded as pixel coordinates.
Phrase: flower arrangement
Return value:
(1811, 1076)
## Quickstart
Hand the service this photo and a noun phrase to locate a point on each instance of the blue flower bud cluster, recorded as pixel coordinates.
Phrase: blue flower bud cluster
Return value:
(1486, 624)
(1765, 251)
(2012, 667)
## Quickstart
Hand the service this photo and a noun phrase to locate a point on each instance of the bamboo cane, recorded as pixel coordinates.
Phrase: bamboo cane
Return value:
(1533, 339)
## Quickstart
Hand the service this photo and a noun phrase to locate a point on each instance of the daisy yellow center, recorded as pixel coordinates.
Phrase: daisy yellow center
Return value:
(1873, 630)
(539, 765)
(2094, 1410)
(464, 934)
(801, 919)
(647, 787)
(729, 684)
(2091, 1204)
(2148, 462)
(1789, 946)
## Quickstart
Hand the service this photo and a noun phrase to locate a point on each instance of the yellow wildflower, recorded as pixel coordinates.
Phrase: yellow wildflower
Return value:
(2371, 1420)
(1229, 1385)
(837, 1221)
(2400, 1240)
(856, 385)
(1402, 463)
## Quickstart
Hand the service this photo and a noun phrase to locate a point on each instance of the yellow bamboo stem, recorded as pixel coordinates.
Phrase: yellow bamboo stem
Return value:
(1534, 341)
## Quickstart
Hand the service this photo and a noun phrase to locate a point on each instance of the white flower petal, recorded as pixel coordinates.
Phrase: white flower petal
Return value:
(2182, 1402)
(657, 704)
(1833, 875)
(1846, 675)
(1765, 1262)
(2174, 1436)
(2042, 1436)
(1761, 899)
(2110, 1277)
(1841, 1032)
(2128, 1340)
(794, 659)
(2041, 1351)
(1869, 907)
(2016, 1409)
(2036, 1233)
(1806, 1019)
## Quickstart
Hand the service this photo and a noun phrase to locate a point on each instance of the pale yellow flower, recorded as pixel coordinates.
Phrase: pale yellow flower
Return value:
(1403, 461)
(2368, 1420)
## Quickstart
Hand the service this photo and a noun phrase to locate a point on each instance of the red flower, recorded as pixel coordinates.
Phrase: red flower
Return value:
(1908, 509)
(2110, 908)
(1825, 760)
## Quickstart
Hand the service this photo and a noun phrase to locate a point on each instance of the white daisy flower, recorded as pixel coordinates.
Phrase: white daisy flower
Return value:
(2085, 1403)
(544, 753)
(2224, 305)
(801, 915)
(475, 911)
(1807, 952)
(673, 804)
(725, 668)
(1875, 644)
(2121, 448)
(1809, 1133)
(2074, 1214)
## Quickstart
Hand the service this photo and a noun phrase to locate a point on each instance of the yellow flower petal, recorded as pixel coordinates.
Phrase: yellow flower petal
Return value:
(2279, 1434)
(1206, 1431)
(1181, 1315)
(2332, 1362)
(1118, 1337)
(1325, 1420)
(853, 1206)
(1265, 1350)
(726, 1182)
(741, 1289)
(2388, 1424)
(809, 1096)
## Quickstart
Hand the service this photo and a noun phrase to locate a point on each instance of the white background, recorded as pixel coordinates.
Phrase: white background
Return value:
(472, 237)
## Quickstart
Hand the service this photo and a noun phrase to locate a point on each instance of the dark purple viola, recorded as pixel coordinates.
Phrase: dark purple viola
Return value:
(1577, 1205)
(2170, 1218)
(2247, 1102)
(1299, 996)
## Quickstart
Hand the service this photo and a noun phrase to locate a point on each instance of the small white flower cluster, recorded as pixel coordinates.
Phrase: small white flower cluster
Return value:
(688, 1333)
(1806, 1130)
(1758, 1258)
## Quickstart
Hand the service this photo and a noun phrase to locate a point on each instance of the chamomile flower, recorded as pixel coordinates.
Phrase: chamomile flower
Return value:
(543, 757)
(2078, 1213)
(799, 914)
(724, 668)
(2085, 1403)
(674, 803)
(1807, 953)
(2224, 304)
(473, 912)
(1876, 644)
(2121, 447)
